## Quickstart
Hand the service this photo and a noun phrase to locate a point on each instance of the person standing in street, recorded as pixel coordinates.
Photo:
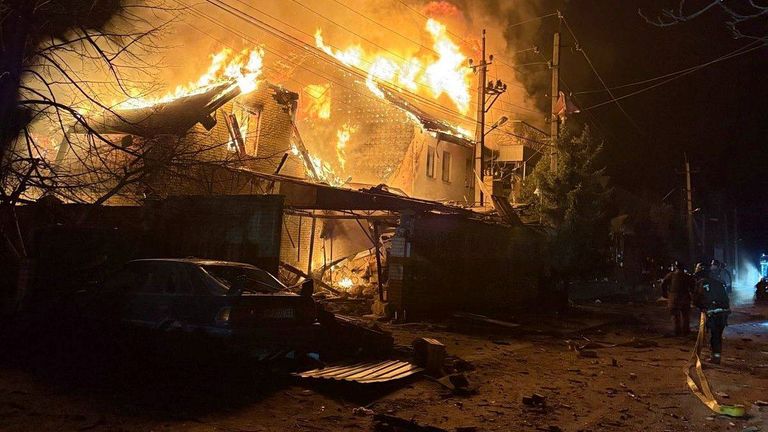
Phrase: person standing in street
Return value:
(721, 271)
(712, 299)
(677, 287)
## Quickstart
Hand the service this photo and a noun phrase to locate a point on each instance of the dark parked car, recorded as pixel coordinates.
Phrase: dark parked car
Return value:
(233, 302)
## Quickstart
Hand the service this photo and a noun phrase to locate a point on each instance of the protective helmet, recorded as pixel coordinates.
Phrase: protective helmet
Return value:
(715, 263)
(678, 265)
(699, 267)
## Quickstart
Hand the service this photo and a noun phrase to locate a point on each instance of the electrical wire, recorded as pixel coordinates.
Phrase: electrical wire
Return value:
(292, 40)
(599, 77)
(319, 54)
(463, 39)
(736, 53)
(681, 71)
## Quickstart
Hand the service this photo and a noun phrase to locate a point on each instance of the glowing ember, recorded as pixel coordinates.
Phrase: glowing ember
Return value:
(319, 170)
(319, 103)
(243, 67)
(342, 138)
(346, 283)
(445, 75)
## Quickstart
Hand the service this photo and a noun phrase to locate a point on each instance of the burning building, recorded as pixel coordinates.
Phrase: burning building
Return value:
(388, 141)
(365, 163)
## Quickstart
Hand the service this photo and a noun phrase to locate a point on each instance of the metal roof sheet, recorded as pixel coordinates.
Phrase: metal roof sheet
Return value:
(365, 373)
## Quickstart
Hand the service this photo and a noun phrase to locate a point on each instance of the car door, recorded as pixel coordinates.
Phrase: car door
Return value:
(183, 303)
(140, 295)
(149, 304)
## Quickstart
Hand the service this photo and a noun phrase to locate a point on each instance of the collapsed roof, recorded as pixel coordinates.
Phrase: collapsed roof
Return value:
(446, 130)
(165, 118)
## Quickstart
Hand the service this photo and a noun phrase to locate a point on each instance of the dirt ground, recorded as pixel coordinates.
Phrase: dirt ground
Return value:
(622, 389)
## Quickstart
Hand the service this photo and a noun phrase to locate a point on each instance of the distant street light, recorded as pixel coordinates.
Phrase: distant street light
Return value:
(498, 123)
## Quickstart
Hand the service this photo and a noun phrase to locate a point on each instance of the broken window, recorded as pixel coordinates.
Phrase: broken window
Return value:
(431, 162)
(446, 166)
(240, 124)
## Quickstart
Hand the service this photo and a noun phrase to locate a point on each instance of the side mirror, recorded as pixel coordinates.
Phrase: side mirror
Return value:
(307, 288)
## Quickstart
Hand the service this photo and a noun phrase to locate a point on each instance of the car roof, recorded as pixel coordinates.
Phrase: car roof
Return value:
(195, 261)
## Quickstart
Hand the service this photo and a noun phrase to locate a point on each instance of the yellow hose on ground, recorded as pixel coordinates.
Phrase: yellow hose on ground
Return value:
(702, 389)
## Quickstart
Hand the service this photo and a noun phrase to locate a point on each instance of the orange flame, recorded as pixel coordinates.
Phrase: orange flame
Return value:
(243, 67)
(320, 103)
(342, 138)
(445, 74)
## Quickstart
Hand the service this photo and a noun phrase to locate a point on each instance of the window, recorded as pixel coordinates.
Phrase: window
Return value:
(469, 169)
(431, 162)
(243, 278)
(446, 166)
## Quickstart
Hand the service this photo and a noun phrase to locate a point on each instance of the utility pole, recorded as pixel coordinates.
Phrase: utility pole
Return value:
(483, 106)
(689, 209)
(555, 120)
(736, 244)
(482, 68)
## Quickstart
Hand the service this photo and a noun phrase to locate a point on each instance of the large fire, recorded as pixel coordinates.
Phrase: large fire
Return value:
(243, 67)
(320, 100)
(342, 138)
(432, 75)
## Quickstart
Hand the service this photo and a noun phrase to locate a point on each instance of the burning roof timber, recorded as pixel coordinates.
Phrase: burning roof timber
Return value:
(165, 118)
(447, 131)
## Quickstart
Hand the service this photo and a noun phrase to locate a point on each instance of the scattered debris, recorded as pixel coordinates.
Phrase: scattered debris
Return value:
(461, 365)
(761, 403)
(535, 400)
(614, 362)
(632, 376)
(429, 354)
(458, 383)
(364, 373)
(477, 322)
(722, 395)
(588, 354)
(388, 423)
(355, 335)
(363, 412)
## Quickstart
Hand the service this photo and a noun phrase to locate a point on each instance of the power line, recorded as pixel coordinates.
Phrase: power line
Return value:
(319, 53)
(291, 40)
(600, 78)
(465, 40)
(673, 78)
(390, 29)
(681, 71)
(313, 51)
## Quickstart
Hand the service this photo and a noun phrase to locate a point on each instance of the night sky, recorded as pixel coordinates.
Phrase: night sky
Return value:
(717, 114)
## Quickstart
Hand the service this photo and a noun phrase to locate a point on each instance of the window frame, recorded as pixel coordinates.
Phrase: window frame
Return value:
(431, 155)
(446, 166)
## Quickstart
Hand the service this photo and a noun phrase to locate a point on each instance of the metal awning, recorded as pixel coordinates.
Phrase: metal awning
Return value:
(365, 373)
(306, 195)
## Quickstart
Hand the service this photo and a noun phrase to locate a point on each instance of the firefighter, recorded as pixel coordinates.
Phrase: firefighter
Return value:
(722, 272)
(698, 271)
(712, 298)
(761, 290)
(677, 287)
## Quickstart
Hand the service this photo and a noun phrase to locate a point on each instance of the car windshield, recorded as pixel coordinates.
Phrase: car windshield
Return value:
(241, 279)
